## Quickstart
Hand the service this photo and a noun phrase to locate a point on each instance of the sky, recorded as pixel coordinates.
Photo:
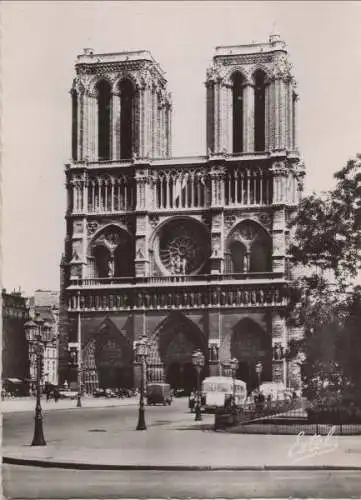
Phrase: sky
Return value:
(40, 41)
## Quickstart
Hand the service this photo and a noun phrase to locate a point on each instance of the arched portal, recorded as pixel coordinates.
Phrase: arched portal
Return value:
(113, 252)
(259, 111)
(104, 117)
(126, 118)
(250, 344)
(237, 108)
(108, 359)
(113, 358)
(178, 338)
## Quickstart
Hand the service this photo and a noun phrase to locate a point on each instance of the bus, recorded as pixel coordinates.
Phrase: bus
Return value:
(217, 391)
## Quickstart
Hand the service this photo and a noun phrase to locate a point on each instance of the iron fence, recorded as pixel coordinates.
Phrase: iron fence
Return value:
(289, 417)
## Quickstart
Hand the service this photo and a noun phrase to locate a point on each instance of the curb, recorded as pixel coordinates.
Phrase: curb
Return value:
(83, 407)
(83, 466)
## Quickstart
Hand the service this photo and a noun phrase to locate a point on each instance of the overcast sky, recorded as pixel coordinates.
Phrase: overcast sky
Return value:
(40, 41)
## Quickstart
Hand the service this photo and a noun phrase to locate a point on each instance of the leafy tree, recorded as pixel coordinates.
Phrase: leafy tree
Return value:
(328, 238)
(328, 227)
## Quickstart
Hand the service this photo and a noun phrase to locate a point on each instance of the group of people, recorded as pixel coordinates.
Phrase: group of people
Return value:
(51, 392)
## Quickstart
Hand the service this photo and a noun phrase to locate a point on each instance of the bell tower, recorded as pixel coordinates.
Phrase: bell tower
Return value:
(251, 99)
(120, 107)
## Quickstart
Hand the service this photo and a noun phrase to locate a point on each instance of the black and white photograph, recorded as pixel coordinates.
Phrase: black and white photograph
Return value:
(180, 249)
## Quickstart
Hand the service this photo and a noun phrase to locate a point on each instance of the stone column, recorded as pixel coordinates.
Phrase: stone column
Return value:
(224, 119)
(142, 124)
(248, 117)
(229, 118)
(80, 120)
(115, 131)
(277, 121)
(217, 234)
(271, 115)
(217, 116)
(169, 130)
(279, 219)
(86, 125)
(141, 245)
(283, 114)
(295, 121)
(289, 116)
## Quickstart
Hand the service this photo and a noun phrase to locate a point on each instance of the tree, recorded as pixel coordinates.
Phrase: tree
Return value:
(328, 227)
(328, 238)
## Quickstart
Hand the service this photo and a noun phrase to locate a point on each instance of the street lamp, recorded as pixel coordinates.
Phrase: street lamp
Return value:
(234, 363)
(259, 368)
(38, 334)
(141, 352)
(198, 363)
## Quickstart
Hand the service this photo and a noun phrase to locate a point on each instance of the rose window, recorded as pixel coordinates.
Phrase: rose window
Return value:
(183, 248)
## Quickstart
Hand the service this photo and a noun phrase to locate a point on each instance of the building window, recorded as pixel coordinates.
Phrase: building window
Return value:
(126, 118)
(104, 117)
(237, 106)
(259, 111)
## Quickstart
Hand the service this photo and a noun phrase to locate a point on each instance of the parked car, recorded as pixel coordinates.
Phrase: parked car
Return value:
(67, 394)
(104, 393)
(181, 393)
(159, 394)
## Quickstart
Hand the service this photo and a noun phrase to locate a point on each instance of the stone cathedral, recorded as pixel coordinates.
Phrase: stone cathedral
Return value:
(190, 252)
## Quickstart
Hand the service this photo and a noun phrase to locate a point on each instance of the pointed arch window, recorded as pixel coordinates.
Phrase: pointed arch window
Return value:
(113, 253)
(74, 120)
(249, 249)
(104, 118)
(259, 111)
(126, 118)
(237, 112)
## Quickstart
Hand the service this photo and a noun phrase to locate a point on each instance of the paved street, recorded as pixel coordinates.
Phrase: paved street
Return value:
(37, 483)
(28, 404)
(107, 437)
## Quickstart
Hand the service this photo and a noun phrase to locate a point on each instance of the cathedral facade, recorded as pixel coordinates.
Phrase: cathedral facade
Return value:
(191, 252)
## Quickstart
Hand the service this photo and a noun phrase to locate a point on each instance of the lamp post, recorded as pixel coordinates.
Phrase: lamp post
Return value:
(198, 363)
(259, 368)
(234, 363)
(141, 352)
(38, 334)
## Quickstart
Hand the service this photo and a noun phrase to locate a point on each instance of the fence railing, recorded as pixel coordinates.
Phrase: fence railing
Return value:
(289, 417)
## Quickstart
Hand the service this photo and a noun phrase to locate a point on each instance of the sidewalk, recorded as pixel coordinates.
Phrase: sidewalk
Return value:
(28, 404)
(185, 445)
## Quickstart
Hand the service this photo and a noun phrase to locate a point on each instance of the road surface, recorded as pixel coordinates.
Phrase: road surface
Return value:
(37, 483)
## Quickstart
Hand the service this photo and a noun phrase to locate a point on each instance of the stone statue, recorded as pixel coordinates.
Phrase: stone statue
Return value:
(140, 300)
(111, 267)
(245, 263)
(277, 352)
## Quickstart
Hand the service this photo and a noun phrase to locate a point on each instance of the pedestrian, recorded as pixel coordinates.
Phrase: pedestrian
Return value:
(56, 395)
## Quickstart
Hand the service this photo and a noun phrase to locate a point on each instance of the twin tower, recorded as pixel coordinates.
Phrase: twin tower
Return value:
(122, 108)
(191, 252)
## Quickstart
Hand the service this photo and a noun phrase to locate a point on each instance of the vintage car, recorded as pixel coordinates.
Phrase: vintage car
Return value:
(104, 393)
(158, 393)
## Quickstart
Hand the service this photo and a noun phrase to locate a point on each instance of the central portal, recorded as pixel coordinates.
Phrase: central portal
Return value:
(178, 339)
